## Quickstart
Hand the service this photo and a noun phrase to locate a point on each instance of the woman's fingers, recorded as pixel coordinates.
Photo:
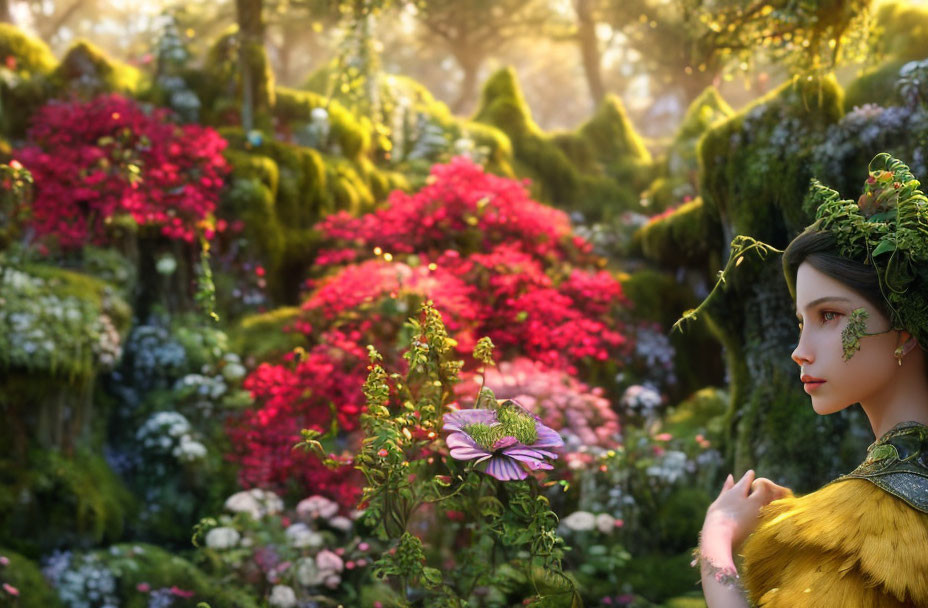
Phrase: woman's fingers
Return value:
(729, 482)
(765, 491)
(744, 484)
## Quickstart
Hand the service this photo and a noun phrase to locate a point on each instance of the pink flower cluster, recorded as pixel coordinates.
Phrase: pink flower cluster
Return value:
(494, 263)
(93, 162)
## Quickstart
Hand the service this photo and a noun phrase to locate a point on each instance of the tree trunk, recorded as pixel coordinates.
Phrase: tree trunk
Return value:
(5, 15)
(589, 50)
(468, 93)
(251, 31)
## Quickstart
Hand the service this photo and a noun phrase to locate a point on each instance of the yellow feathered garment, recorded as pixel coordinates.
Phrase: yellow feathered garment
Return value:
(848, 545)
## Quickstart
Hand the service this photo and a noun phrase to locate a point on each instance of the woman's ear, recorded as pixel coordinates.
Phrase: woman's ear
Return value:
(908, 341)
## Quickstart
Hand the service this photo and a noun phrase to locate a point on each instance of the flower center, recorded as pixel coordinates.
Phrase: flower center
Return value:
(513, 422)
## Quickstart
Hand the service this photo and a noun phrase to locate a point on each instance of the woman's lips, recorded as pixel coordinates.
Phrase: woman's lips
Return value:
(812, 385)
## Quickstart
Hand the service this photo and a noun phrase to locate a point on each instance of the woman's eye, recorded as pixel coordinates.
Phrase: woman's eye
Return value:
(826, 317)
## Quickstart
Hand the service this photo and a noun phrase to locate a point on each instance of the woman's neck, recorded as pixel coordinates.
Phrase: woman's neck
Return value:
(903, 399)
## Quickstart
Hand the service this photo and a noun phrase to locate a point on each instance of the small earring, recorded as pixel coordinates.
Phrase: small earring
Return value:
(898, 354)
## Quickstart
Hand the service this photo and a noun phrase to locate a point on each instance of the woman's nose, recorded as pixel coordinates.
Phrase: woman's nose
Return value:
(801, 354)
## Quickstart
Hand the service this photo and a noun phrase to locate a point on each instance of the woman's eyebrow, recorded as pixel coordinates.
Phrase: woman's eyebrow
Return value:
(820, 300)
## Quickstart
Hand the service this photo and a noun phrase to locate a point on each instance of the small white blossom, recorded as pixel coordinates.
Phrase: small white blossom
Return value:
(580, 521)
(315, 507)
(605, 523)
(222, 538)
(299, 535)
(282, 596)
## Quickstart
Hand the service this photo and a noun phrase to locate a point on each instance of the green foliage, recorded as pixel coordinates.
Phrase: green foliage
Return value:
(25, 86)
(79, 498)
(351, 134)
(261, 335)
(25, 575)
(900, 31)
(32, 54)
(512, 523)
(875, 85)
(701, 413)
(598, 170)
(88, 71)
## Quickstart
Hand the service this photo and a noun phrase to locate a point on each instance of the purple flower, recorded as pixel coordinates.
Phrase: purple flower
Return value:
(504, 439)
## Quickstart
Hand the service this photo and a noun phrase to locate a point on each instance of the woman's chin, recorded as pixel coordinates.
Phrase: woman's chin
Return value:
(823, 407)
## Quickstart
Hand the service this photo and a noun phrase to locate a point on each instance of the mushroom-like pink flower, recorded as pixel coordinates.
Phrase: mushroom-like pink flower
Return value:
(505, 439)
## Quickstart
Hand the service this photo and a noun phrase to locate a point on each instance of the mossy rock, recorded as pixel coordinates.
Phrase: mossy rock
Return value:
(71, 313)
(25, 575)
(876, 85)
(87, 70)
(262, 336)
(28, 87)
(294, 109)
(599, 170)
(684, 237)
(53, 500)
(754, 167)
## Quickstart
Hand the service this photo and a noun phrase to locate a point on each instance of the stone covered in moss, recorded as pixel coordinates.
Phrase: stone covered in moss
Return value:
(29, 63)
(684, 237)
(88, 71)
(756, 168)
(596, 170)
(49, 499)
(262, 336)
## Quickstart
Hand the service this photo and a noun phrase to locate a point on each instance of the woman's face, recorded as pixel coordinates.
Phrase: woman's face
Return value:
(822, 306)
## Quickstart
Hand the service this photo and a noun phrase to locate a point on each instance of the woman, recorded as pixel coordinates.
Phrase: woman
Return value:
(859, 278)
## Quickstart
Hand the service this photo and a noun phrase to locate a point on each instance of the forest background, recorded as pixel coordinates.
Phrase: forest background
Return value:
(252, 252)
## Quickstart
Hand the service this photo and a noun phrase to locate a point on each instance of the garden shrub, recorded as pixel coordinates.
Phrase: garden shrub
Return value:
(23, 584)
(266, 336)
(25, 64)
(220, 88)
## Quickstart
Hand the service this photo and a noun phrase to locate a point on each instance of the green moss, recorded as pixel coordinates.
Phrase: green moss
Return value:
(772, 136)
(703, 112)
(294, 108)
(700, 413)
(902, 30)
(89, 71)
(63, 333)
(32, 54)
(599, 170)
(25, 575)
(52, 500)
(685, 237)
(262, 336)
(876, 85)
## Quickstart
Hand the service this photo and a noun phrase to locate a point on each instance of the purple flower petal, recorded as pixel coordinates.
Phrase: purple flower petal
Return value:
(463, 447)
(523, 454)
(505, 442)
(547, 437)
(505, 469)
(456, 421)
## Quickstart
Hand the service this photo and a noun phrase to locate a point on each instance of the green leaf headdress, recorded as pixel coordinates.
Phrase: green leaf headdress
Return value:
(886, 228)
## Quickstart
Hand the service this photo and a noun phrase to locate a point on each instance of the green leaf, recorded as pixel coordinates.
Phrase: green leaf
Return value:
(883, 247)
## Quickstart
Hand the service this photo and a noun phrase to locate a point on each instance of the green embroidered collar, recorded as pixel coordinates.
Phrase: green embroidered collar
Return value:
(898, 463)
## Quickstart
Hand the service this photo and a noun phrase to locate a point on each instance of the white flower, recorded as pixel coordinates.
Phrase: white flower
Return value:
(189, 450)
(319, 114)
(255, 502)
(222, 538)
(282, 596)
(307, 572)
(605, 523)
(233, 371)
(166, 265)
(340, 523)
(299, 535)
(315, 507)
(332, 581)
(580, 521)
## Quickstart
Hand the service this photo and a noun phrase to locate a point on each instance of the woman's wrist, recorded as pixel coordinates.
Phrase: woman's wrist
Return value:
(714, 554)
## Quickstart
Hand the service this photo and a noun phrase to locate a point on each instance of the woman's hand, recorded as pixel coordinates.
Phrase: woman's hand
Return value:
(733, 515)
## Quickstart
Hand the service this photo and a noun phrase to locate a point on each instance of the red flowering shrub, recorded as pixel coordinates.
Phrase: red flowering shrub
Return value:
(95, 161)
(493, 262)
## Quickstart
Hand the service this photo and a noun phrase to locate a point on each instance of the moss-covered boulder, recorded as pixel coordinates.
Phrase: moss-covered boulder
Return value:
(598, 170)
(60, 329)
(755, 172)
(683, 237)
(27, 63)
(51, 499)
(25, 576)
(87, 71)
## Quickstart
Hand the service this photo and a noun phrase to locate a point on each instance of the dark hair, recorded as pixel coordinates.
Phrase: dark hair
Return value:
(819, 249)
